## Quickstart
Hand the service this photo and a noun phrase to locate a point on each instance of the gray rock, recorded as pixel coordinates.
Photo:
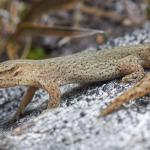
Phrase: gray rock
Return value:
(76, 124)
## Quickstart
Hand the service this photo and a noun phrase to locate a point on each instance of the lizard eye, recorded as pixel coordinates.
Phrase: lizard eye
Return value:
(17, 71)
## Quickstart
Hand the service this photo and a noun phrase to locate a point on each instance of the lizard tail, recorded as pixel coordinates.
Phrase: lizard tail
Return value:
(140, 89)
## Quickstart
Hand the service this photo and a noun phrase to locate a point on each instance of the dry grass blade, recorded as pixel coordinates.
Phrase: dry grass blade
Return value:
(26, 47)
(4, 3)
(135, 12)
(42, 30)
(13, 47)
(31, 30)
(40, 7)
(102, 13)
(35, 11)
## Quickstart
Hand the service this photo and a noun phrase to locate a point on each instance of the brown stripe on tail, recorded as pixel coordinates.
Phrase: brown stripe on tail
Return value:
(140, 89)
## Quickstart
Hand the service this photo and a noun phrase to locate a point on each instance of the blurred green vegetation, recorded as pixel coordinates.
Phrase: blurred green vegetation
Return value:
(148, 10)
(36, 53)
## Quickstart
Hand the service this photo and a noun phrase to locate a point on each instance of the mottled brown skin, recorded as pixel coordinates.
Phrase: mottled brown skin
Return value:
(90, 66)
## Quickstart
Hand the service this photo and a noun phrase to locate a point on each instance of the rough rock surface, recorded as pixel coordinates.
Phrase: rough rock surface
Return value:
(76, 124)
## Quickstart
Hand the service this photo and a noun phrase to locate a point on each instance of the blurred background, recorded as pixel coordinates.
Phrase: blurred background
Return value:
(38, 29)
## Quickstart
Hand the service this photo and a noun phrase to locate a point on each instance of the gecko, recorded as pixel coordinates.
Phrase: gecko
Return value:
(126, 62)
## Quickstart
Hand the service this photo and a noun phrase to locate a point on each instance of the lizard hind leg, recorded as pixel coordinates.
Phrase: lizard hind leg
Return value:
(140, 89)
(131, 67)
(53, 91)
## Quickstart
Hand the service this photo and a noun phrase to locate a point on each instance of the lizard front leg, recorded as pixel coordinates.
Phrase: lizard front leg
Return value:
(25, 101)
(140, 89)
(53, 91)
(51, 88)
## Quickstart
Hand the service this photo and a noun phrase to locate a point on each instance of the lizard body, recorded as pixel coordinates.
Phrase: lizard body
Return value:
(84, 67)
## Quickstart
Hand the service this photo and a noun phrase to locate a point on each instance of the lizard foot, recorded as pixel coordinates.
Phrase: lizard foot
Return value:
(131, 67)
(133, 77)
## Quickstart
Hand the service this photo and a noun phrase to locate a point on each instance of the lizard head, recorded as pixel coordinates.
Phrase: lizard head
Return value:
(7, 67)
(14, 72)
(7, 73)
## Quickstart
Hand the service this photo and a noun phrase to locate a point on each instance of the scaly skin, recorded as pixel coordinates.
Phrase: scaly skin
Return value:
(127, 62)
